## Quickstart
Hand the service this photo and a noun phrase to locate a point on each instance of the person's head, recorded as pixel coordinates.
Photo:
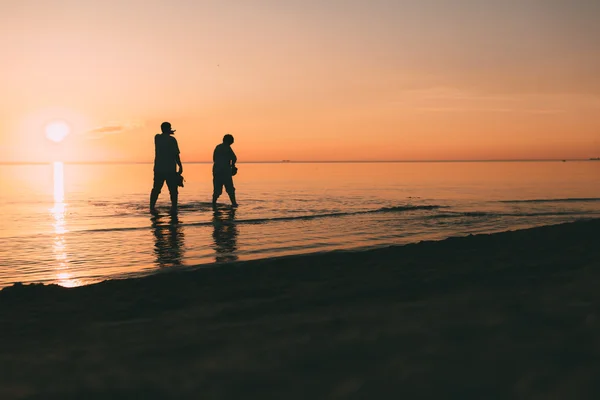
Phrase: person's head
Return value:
(165, 127)
(228, 139)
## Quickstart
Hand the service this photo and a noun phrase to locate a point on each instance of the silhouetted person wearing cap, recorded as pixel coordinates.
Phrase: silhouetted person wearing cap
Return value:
(223, 170)
(166, 161)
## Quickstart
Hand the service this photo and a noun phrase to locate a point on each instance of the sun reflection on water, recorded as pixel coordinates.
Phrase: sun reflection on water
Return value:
(59, 247)
(59, 183)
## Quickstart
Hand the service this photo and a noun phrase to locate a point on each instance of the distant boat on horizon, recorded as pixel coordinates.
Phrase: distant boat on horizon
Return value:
(595, 159)
(285, 160)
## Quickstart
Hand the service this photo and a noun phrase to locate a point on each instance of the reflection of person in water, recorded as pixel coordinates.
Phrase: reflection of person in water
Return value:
(168, 246)
(225, 235)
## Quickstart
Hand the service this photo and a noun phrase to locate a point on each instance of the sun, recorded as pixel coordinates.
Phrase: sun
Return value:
(57, 131)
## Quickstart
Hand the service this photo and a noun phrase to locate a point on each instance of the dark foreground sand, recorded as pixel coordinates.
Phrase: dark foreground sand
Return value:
(513, 315)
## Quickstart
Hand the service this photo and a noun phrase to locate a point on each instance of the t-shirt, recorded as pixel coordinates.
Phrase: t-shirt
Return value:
(166, 152)
(223, 158)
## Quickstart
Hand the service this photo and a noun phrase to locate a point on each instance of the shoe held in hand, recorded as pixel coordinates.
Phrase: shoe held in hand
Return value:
(180, 180)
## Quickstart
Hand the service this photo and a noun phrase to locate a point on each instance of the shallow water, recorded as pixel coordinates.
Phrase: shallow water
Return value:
(74, 224)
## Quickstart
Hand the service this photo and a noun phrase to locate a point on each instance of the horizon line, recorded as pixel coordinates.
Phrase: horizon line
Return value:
(313, 162)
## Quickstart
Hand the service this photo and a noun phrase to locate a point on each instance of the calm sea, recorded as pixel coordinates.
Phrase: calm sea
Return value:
(75, 224)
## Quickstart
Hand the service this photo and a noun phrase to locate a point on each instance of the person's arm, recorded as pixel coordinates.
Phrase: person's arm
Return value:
(179, 164)
(233, 158)
(178, 158)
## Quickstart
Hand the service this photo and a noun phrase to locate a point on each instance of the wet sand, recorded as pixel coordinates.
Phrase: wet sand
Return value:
(514, 315)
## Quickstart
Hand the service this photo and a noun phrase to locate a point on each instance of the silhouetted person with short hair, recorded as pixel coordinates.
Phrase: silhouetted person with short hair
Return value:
(224, 168)
(166, 161)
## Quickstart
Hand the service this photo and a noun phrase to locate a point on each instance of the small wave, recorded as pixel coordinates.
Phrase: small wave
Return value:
(451, 214)
(448, 214)
(274, 219)
(565, 200)
(343, 214)
(137, 206)
(407, 208)
(482, 214)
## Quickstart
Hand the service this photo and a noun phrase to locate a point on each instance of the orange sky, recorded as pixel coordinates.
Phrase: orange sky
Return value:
(301, 80)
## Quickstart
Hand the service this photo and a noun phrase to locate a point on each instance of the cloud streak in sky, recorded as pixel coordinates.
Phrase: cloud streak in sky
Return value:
(113, 129)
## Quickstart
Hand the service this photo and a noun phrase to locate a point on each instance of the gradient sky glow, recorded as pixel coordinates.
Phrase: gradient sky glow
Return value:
(302, 80)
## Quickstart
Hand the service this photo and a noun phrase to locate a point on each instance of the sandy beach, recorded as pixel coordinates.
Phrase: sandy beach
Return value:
(513, 315)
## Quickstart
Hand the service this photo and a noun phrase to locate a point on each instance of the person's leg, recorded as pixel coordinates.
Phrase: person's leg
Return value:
(159, 180)
(230, 189)
(217, 188)
(173, 190)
